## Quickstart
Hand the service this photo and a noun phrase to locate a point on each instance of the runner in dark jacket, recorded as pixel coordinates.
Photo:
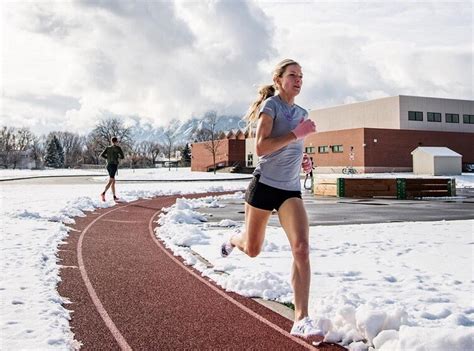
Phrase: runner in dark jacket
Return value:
(113, 154)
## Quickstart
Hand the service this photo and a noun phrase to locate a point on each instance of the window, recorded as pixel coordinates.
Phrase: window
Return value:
(452, 118)
(337, 148)
(415, 116)
(434, 117)
(323, 149)
(309, 150)
(249, 160)
(468, 119)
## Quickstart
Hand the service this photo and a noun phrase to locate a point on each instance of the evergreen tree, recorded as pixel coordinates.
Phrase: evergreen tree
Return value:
(54, 153)
(60, 152)
(186, 157)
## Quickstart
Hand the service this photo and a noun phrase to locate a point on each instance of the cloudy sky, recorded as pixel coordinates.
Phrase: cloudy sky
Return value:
(66, 64)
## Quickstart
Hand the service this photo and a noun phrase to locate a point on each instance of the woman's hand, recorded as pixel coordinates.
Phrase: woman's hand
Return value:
(304, 128)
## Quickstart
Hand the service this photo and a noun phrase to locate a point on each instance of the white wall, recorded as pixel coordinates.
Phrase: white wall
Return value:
(443, 106)
(392, 113)
(250, 148)
(379, 113)
(450, 165)
(423, 163)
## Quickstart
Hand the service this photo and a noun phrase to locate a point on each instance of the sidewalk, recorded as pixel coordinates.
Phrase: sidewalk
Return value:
(128, 292)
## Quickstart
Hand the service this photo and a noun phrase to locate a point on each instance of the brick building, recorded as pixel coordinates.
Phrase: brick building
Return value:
(230, 151)
(379, 135)
(372, 136)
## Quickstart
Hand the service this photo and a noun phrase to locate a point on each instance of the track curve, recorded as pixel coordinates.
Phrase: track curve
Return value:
(127, 291)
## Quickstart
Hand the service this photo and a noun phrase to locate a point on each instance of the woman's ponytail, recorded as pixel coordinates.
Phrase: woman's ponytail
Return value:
(253, 112)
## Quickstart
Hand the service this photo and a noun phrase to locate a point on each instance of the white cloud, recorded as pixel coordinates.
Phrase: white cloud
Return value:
(355, 50)
(64, 64)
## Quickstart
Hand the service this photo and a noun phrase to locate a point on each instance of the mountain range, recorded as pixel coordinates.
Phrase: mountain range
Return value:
(182, 131)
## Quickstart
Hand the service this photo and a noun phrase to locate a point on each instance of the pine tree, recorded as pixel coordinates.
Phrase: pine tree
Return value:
(60, 152)
(54, 153)
(186, 157)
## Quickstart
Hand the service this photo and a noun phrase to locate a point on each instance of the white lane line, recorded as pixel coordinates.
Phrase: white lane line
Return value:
(122, 342)
(221, 293)
(90, 289)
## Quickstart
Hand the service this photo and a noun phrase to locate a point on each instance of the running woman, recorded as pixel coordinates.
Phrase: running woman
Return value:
(281, 127)
(112, 153)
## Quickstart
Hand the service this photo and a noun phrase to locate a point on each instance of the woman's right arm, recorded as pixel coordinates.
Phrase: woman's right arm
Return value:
(266, 144)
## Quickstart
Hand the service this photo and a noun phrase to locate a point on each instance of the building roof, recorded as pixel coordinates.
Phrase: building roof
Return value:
(387, 98)
(436, 151)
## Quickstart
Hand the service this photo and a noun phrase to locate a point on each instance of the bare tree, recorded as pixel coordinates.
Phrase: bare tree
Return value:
(24, 139)
(37, 152)
(12, 142)
(73, 145)
(213, 143)
(140, 155)
(201, 134)
(110, 127)
(169, 145)
(151, 149)
(92, 150)
(7, 145)
(107, 128)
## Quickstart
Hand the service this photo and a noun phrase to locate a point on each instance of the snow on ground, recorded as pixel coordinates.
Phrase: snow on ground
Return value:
(398, 286)
(385, 284)
(35, 219)
(100, 175)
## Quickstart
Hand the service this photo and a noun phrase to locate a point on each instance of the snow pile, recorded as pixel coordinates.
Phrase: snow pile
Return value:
(408, 285)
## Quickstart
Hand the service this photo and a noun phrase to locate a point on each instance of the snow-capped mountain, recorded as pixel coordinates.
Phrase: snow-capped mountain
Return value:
(182, 131)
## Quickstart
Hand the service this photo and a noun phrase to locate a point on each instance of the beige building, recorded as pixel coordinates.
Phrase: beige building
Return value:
(399, 112)
(379, 135)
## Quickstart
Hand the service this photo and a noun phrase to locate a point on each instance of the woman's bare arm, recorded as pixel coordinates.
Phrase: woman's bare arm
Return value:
(266, 144)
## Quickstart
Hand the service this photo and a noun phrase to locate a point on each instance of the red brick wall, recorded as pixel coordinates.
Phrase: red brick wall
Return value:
(347, 138)
(392, 149)
(229, 152)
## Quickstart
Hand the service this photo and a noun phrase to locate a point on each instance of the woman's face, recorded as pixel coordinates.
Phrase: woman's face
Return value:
(291, 80)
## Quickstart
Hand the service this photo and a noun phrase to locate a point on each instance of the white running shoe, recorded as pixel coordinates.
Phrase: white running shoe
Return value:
(305, 328)
(226, 248)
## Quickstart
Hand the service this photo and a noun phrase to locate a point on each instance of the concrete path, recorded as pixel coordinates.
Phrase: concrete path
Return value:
(341, 211)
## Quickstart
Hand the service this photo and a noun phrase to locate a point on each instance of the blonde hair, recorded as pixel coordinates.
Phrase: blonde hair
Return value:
(266, 91)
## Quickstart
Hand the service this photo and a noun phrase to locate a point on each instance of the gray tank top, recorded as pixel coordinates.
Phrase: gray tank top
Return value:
(281, 169)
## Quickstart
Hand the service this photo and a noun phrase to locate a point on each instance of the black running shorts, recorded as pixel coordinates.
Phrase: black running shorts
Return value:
(112, 169)
(266, 197)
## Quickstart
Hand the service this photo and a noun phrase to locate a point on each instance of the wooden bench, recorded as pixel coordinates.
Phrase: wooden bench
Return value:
(399, 188)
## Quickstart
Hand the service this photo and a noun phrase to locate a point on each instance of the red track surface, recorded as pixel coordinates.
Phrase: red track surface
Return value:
(128, 292)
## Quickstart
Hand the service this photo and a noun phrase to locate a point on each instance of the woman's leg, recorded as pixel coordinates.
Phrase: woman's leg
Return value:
(251, 240)
(294, 220)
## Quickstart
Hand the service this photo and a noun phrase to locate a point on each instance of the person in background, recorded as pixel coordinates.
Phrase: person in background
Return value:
(281, 127)
(113, 154)
(307, 165)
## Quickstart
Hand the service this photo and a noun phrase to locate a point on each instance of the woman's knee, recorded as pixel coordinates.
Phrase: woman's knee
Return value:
(301, 251)
(252, 250)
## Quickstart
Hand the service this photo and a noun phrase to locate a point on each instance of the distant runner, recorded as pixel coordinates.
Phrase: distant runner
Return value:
(281, 127)
(112, 153)
(307, 165)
